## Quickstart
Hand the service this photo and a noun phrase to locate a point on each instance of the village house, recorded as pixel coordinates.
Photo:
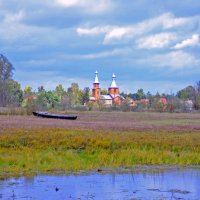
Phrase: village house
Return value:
(112, 98)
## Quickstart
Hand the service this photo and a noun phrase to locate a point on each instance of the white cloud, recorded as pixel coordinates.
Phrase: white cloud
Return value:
(104, 54)
(164, 21)
(173, 60)
(90, 6)
(188, 42)
(92, 31)
(69, 3)
(117, 33)
(13, 31)
(14, 17)
(169, 21)
(156, 41)
(11, 28)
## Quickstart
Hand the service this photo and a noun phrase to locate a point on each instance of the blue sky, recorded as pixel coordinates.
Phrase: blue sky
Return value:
(149, 44)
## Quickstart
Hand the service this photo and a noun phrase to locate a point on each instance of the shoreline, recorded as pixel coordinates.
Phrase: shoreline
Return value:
(104, 171)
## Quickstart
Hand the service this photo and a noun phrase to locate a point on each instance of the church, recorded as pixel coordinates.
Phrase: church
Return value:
(112, 98)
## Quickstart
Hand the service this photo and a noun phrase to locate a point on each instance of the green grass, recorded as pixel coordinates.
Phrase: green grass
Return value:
(26, 150)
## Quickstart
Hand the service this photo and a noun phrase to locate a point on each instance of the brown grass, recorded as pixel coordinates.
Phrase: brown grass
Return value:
(109, 121)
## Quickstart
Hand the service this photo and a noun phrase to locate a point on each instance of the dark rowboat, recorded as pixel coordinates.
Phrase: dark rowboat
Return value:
(54, 116)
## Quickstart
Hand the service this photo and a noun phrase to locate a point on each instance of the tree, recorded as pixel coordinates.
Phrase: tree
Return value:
(126, 105)
(148, 95)
(197, 87)
(66, 102)
(41, 89)
(27, 91)
(197, 96)
(186, 93)
(6, 72)
(132, 96)
(60, 91)
(10, 90)
(15, 94)
(47, 99)
(157, 95)
(104, 91)
(74, 94)
(85, 95)
(159, 106)
(140, 94)
(123, 94)
(173, 103)
(6, 69)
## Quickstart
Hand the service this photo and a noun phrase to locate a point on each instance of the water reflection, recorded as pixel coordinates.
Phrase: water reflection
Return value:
(173, 184)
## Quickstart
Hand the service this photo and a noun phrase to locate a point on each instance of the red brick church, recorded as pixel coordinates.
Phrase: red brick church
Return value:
(112, 98)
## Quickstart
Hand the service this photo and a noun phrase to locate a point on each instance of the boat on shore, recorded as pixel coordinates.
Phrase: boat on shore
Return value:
(54, 116)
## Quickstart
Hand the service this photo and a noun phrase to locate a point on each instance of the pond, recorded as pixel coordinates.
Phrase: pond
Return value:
(157, 185)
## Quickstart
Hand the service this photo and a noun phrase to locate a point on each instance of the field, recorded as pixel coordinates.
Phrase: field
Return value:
(97, 140)
(109, 121)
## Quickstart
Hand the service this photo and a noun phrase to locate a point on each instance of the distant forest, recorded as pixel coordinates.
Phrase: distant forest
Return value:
(74, 98)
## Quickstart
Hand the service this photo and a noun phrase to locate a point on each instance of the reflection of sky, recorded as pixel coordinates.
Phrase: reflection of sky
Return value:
(104, 187)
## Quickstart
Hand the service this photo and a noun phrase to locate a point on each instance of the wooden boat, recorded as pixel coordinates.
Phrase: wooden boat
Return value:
(54, 116)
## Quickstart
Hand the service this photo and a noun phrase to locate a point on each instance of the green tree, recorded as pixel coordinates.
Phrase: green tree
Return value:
(85, 95)
(41, 89)
(148, 95)
(140, 94)
(27, 91)
(47, 99)
(186, 93)
(14, 92)
(60, 92)
(74, 95)
(123, 94)
(104, 91)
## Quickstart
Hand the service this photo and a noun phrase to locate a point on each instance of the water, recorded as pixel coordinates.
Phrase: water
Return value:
(170, 184)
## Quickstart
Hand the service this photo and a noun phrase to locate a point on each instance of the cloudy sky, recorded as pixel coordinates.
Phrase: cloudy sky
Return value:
(149, 44)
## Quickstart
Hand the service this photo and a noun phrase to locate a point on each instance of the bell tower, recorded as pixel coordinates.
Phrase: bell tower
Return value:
(113, 90)
(96, 91)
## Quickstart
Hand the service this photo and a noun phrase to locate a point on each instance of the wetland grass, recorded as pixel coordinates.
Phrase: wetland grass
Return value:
(45, 149)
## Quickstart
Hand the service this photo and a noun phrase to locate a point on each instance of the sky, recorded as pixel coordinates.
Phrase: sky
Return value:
(149, 44)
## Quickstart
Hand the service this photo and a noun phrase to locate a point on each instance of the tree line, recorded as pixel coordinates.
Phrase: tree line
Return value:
(11, 94)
